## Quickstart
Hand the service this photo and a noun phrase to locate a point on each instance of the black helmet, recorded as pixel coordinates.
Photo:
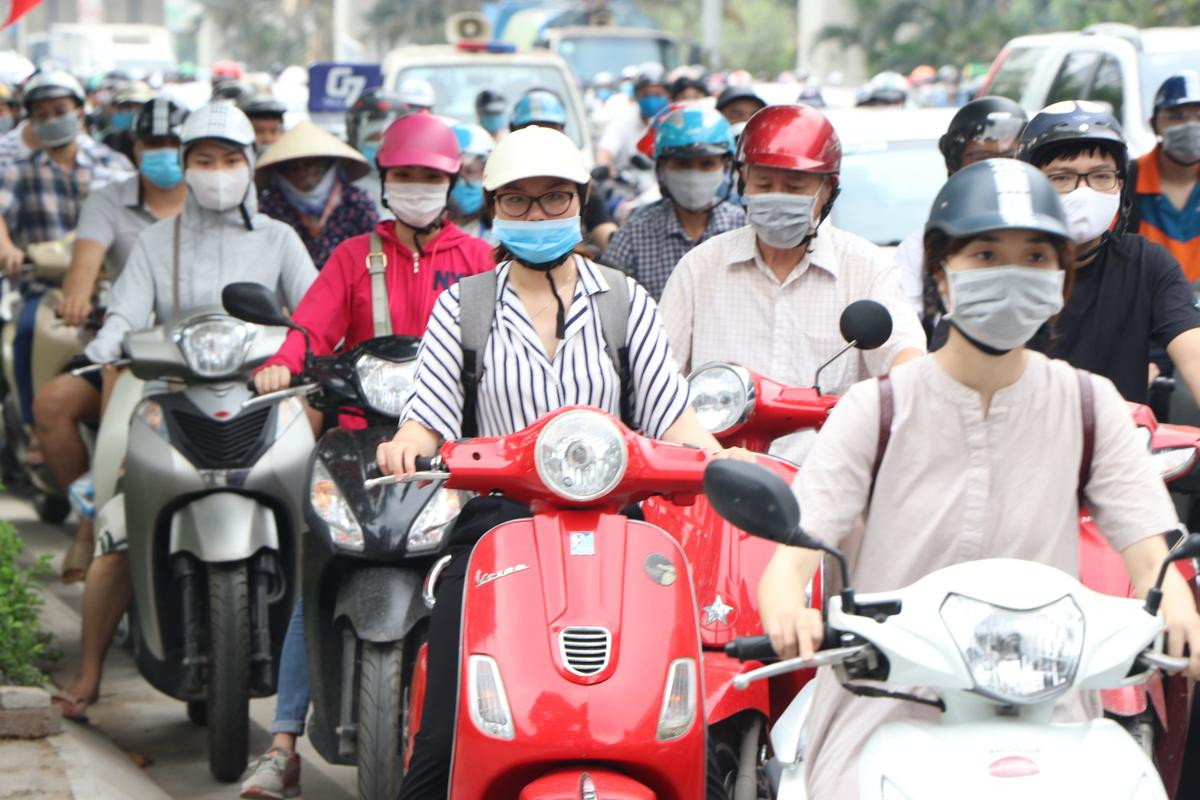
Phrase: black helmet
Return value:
(998, 194)
(987, 119)
(159, 117)
(262, 106)
(1073, 122)
(231, 89)
(378, 105)
(489, 101)
(732, 94)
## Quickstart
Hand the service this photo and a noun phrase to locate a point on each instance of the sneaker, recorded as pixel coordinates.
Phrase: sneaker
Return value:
(274, 776)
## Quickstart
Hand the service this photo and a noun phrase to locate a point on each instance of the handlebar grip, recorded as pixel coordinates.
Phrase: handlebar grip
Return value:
(751, 648)
(425, 463)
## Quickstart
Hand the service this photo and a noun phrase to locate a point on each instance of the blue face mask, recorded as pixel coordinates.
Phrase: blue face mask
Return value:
(122, 120)
(493, 123)
(161, 167)
(603, 94)
(467, 197)
(651, 105)
(541, 243)
(627, 89)
(370, 152)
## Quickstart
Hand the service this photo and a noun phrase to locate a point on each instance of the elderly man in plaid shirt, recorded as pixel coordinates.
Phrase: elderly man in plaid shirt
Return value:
(40, 195)
(693, 148)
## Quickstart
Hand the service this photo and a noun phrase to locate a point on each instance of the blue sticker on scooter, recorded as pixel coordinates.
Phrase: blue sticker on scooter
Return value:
(583, 543)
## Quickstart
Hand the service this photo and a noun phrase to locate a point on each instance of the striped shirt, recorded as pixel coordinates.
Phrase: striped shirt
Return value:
(519, 385)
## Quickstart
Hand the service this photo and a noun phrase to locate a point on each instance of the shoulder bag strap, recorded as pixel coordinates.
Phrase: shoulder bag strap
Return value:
(613, 308)
(175, 268)
(381, 311)
(1087, 407)
(477, 310)
(887, 412)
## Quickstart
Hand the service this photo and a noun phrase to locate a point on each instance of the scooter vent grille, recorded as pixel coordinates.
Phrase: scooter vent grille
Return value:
(585, 651)
(214, 444)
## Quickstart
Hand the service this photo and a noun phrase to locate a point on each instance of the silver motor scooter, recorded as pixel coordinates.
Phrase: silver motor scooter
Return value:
(214, 497)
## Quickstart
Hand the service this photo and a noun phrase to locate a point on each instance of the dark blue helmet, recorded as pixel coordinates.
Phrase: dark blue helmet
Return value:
(1074, 121)
(1178, 90)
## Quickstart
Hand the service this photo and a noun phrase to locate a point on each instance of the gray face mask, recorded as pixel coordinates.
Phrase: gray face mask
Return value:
(1003, 307)
(57, 131)
(1182, 143)
(693, 189)
(7, 124)
(781, 219)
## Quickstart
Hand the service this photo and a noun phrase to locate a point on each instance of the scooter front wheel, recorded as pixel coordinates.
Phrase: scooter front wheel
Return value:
(228, 670)
(380, 730)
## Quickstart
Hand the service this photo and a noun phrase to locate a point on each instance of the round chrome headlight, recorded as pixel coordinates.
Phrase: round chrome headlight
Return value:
(214, 346)
(722, 394)
(385, 384)
(581, 455)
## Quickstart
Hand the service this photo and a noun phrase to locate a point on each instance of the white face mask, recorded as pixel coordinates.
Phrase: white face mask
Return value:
(219, 189)
(781, 219)
(417, 205)
(1090, 213)
(693, 189)
(1182, 143)
(1003, 307)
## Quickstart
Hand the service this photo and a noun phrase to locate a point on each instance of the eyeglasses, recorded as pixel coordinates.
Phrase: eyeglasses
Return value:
(553, 204)
(1185, 113)
(1102, 180)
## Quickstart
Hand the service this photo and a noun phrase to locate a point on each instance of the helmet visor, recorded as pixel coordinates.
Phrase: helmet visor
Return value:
(995, 137)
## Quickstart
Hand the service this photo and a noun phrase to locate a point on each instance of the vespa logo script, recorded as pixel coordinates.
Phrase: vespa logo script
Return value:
(482, 577)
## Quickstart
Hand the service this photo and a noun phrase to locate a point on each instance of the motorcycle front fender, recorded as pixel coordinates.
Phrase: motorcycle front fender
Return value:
(223, 527)
(567, 783)
(382, 604)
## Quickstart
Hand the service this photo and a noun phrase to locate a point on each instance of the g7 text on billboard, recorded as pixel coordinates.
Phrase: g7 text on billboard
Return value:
(335, 86)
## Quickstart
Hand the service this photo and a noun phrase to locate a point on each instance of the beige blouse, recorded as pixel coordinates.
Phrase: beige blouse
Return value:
(954, 487)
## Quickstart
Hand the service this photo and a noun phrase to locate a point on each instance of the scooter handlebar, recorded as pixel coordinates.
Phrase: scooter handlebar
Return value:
(758, 648)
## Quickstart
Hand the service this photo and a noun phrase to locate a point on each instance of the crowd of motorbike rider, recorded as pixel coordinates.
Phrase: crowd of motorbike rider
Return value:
(1049, 251)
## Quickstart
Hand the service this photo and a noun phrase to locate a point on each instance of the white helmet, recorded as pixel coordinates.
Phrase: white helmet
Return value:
(417, 92)
(534, 152)
(220, 120)
(49, 85)
(473, 140)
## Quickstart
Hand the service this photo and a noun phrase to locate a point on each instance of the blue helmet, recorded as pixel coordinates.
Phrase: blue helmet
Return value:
(1074, 121)
(538, 107)
(693, 131)
(1178, 90)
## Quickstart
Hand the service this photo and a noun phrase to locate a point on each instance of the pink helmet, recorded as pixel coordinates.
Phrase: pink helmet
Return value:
(226, 68)
(420, 140)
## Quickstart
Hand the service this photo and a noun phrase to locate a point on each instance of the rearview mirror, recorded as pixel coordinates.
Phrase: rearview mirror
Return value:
(253, 302)
(866, 324)
(753, 498)
(1188, 548)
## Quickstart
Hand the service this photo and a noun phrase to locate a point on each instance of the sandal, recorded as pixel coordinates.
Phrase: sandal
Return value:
(76, 561)
(73, 708)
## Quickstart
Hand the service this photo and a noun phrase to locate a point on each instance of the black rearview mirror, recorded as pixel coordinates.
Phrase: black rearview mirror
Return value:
(253, 302)
(753, 498)
(1189, 547)
(867, 324)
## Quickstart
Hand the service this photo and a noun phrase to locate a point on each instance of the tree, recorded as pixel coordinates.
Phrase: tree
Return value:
(265, 34)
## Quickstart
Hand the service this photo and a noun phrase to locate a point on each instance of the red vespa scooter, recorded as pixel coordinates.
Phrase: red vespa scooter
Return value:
(580, 672)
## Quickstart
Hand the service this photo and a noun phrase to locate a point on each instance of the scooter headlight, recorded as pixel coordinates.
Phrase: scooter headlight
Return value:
(1173, 462)
(486, 698)
(330, 506)
(679, 700)
(214, 347)
(385, 384)
(722, 394)
(581, 455)
(436, 518)
(1017, 656)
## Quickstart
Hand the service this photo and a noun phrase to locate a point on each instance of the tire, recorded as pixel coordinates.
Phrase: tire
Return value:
(380, 730)
(228, 709)
(197, 711)
(51, 508)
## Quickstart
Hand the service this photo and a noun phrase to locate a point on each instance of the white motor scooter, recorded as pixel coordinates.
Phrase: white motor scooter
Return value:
(999, 642)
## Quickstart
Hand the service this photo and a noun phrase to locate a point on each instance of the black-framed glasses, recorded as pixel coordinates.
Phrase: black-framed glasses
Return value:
(552, 204)
(1102, 180)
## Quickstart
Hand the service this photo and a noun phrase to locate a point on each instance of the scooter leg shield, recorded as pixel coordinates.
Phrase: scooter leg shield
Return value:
(223, 527)
(113, 436)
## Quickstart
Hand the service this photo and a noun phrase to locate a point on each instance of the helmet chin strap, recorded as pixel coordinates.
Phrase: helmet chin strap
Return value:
(560, 315)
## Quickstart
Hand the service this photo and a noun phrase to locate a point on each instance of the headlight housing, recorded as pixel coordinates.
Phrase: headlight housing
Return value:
(436, 518)
(216, 346)
(330, 506)
(151, 413)
(385, 384)
(1017, 656)
(581, 455)
(487, 701)
(722, 394)
(679, 700)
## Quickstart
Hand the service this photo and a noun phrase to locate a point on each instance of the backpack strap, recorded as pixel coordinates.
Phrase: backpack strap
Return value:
(477, 310)
(381, 312)
(1087, 407)
(887, 412)
(613, 308)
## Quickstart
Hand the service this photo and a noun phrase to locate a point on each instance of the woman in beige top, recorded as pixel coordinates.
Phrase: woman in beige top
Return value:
(984, 455)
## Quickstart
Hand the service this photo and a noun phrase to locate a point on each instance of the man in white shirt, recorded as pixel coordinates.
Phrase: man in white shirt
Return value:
(769, 296)
(618, 143)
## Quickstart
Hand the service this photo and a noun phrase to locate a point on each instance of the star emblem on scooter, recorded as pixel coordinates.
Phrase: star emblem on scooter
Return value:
(717, 612)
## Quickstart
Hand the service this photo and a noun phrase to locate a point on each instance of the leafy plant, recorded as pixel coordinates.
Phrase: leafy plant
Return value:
(24, 646)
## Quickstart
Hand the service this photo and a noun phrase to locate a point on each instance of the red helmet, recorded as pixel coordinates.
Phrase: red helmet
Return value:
(226, 68)
(420, 140)
(795, 137)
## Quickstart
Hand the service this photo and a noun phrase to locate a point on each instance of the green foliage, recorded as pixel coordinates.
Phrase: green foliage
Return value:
(24, 646)
(756, 35)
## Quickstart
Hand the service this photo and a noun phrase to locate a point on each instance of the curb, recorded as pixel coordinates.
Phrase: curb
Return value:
(99, 770)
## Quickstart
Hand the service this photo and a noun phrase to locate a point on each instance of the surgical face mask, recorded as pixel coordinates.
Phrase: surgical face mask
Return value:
(651, 105)
(541, 243)
(467, 196)
(122, 120)
(370, 152)
(493, 123)
(1003, 307)
(161, 167)
(1182, 143)
(57, 131)
(627, 89)
(693, 189)
(313, 201)
(603, 94)
(219, 189)
(735, 130)
(781, 219)
(417, 205)
(7, 124)
(1090, 213)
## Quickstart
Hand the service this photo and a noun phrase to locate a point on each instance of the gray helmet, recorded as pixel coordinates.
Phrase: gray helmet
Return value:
(262, 106)
(51, 84)
(998, 194)
(159, 117)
